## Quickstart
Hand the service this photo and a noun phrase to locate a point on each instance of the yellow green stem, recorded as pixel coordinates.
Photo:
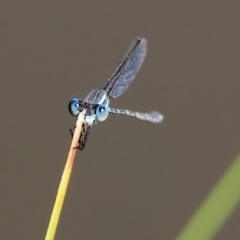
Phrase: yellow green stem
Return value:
(217, 207)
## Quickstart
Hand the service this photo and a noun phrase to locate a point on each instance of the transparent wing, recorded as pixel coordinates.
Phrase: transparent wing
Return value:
(127, 69)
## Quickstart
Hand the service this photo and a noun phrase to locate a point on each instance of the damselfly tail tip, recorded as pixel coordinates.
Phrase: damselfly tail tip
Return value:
(157, 117)
(160, 117)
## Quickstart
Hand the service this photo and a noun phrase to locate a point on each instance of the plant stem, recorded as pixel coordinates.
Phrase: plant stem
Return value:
(53, 223)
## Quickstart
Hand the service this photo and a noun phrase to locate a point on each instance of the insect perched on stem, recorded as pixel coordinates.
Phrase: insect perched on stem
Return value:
(96, 102)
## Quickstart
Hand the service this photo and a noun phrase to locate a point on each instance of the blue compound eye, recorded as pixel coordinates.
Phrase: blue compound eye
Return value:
(73, 107)
(102, 112)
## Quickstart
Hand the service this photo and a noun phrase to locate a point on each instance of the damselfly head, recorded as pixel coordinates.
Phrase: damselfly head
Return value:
(101, 112)
(73, 107)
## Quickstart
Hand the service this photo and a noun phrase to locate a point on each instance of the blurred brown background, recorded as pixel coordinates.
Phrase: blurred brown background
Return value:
(134, 180)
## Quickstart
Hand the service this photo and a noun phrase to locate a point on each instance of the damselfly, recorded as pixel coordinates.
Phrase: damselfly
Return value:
(97, 101)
